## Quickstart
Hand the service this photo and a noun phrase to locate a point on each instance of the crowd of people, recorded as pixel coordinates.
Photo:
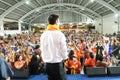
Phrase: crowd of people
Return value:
(85, 49)
(19, 49)
(91, 49)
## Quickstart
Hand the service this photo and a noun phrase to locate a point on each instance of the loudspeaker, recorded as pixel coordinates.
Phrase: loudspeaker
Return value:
(21, 74)
(113, 71)
(96, 71)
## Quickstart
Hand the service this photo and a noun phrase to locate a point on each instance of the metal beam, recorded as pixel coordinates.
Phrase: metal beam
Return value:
(11, 5)
(35, 14)
(32, 5)
(74, 1)
(6, 3)
(80, 1)
(56, 4)
(117, 5)
(2, 9)
(38, 3)
(21, 10)
(90, 7)
(16, 0)
(12, 8)
(28, 8)
(86, 15)
(102, 6)
(98, 8)
(16, 14)
(45, 1)
(107, 5)
(104, 11)
(87, 3)
(61, 10)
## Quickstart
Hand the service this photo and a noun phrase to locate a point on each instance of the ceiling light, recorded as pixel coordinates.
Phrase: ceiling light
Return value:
(88, 21)
(79, 23)
(92, 1)
(27, 2)
(83, 8)
(70, 23)
(37, 10)
(116, 15)
(43, 25)
(35, 24)
(21, 21)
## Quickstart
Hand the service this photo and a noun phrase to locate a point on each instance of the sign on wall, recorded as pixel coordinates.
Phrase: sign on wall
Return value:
(10, 25)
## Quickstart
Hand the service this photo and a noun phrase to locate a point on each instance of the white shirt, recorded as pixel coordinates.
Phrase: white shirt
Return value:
(53, 46)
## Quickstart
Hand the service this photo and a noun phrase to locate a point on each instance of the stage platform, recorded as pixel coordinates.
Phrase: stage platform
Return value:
(73, 77)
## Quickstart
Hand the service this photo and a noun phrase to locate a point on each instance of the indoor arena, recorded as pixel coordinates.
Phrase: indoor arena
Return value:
(59, 39)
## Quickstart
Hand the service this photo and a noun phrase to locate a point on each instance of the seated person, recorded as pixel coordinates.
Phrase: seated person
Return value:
(101, 63)
(89, 62)
(73, 66)
(20, 64)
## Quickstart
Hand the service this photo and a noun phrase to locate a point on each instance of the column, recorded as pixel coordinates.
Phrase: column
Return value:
(1, 27)
(118, 23)
(102, 25)
(19, 26)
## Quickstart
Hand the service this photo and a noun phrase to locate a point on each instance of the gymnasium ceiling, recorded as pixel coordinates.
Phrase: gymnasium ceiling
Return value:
(29, 10)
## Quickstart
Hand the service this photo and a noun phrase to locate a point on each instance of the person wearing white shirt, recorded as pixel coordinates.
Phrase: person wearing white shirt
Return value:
(54, 50)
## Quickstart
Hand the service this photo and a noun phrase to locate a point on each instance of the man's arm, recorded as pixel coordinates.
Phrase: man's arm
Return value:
(63, 47)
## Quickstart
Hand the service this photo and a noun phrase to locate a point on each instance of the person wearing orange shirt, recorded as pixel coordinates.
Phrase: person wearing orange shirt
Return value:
(20, 64)
(73, 66)
(89, 62)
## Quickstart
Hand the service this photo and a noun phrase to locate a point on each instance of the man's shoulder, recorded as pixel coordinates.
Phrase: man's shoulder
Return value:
(56, 32)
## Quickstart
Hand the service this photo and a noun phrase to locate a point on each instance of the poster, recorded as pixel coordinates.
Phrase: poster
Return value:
(10, 25)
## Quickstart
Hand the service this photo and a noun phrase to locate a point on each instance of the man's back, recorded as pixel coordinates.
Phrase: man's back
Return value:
(52, 43)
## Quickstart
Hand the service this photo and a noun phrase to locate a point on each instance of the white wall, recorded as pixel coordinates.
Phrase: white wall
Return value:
(98, 25)
(109, 25)
(12, 32)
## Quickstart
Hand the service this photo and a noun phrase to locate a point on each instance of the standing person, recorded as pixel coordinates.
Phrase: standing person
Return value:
(54, 49)
(5, 70)
(36, 64)
(99, 50)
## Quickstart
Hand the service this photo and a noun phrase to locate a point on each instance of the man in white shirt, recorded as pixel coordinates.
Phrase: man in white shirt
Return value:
(54, 49)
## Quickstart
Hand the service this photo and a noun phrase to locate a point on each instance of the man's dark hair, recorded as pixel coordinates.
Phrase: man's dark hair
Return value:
(52, 18)
(37, 47)
(91, 55)
(100, 57)
(71, 53)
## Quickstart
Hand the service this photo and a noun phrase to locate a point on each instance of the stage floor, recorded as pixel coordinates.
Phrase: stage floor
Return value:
(76, 77)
